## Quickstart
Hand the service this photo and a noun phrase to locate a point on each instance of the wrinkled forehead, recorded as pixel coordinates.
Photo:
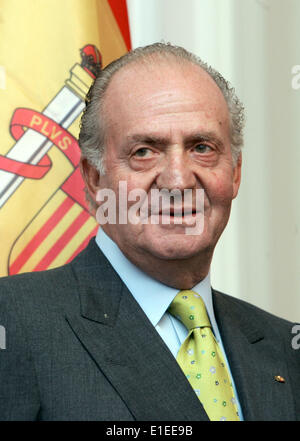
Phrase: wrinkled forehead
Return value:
(140, 82)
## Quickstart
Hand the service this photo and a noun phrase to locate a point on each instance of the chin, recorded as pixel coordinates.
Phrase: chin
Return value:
(172, 247)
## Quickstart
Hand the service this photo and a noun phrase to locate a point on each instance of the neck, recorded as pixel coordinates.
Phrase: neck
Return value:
(180, 274)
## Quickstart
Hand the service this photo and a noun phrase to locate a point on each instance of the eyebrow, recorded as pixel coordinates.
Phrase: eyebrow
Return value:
(148, 139)
(151, 139)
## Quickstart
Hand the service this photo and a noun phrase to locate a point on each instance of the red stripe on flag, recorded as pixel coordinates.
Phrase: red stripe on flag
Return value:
(62, 241)
(40, 236)
(84, 243)
(119, 9)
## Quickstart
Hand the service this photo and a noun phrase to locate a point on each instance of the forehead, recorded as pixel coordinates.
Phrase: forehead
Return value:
(167, 90)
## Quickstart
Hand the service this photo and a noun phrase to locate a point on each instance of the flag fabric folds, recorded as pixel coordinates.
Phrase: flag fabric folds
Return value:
(49, 54)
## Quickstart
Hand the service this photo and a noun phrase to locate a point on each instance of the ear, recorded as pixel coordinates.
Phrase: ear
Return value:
(237, 176)
(91, 178)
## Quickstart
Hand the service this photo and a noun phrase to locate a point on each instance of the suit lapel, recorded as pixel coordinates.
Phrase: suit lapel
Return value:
(127, 349)
(254, 361)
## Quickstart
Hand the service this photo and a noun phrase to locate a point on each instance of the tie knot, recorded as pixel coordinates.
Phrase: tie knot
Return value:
(190, 309)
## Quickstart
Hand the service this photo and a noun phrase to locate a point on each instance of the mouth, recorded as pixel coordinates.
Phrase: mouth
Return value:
(179, 212)
(183, 216)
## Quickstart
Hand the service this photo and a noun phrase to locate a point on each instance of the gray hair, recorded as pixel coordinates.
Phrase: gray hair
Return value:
(92, 130)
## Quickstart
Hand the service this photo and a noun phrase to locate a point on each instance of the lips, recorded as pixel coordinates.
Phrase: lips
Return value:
(178, 212)
(187, 217)
(172, 212)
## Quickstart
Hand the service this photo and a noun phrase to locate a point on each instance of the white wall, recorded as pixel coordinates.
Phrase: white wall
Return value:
(254, 44)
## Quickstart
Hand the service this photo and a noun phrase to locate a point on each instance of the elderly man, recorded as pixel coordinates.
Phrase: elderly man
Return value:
(131, 329)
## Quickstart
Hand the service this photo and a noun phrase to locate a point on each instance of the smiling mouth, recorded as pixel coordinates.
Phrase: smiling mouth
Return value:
(178, 212)
(174, 216)
(185, 217)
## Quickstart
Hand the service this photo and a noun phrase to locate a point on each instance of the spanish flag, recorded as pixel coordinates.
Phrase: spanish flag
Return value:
(50, 52)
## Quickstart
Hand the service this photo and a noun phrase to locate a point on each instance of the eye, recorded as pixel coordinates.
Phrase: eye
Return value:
(202, 148)
(142, 152)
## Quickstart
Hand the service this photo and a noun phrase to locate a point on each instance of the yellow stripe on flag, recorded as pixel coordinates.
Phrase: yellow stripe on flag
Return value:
(37, 223)
(69, 250)
(52, 237)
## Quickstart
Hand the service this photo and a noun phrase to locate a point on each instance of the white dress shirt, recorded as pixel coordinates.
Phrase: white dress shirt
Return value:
(154, 298)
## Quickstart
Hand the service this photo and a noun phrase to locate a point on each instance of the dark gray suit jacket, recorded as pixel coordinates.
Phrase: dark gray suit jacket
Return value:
(79, 347)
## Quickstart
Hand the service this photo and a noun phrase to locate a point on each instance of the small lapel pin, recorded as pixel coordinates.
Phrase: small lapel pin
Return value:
(106, 316)
(279, 378)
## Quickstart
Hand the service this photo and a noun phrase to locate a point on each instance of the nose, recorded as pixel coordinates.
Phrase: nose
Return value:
(176, 172)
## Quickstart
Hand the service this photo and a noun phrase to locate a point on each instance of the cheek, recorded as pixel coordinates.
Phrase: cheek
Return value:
(129, 189)
(219, 187)
(137, 181)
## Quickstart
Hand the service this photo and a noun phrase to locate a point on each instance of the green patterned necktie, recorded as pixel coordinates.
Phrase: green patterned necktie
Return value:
(201, 359)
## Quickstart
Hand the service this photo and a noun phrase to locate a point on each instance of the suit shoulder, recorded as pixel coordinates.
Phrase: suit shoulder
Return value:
(42, 280)
(54, 289)
(256, 312)
(39, 292)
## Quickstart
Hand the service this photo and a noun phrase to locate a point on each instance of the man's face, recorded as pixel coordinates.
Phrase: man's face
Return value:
(167, 127)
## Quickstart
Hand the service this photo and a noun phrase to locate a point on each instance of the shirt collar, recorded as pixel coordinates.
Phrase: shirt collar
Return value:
(153, 296)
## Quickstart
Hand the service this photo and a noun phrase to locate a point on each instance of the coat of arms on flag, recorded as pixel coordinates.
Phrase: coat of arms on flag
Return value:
(44, 218)
(61, 218)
